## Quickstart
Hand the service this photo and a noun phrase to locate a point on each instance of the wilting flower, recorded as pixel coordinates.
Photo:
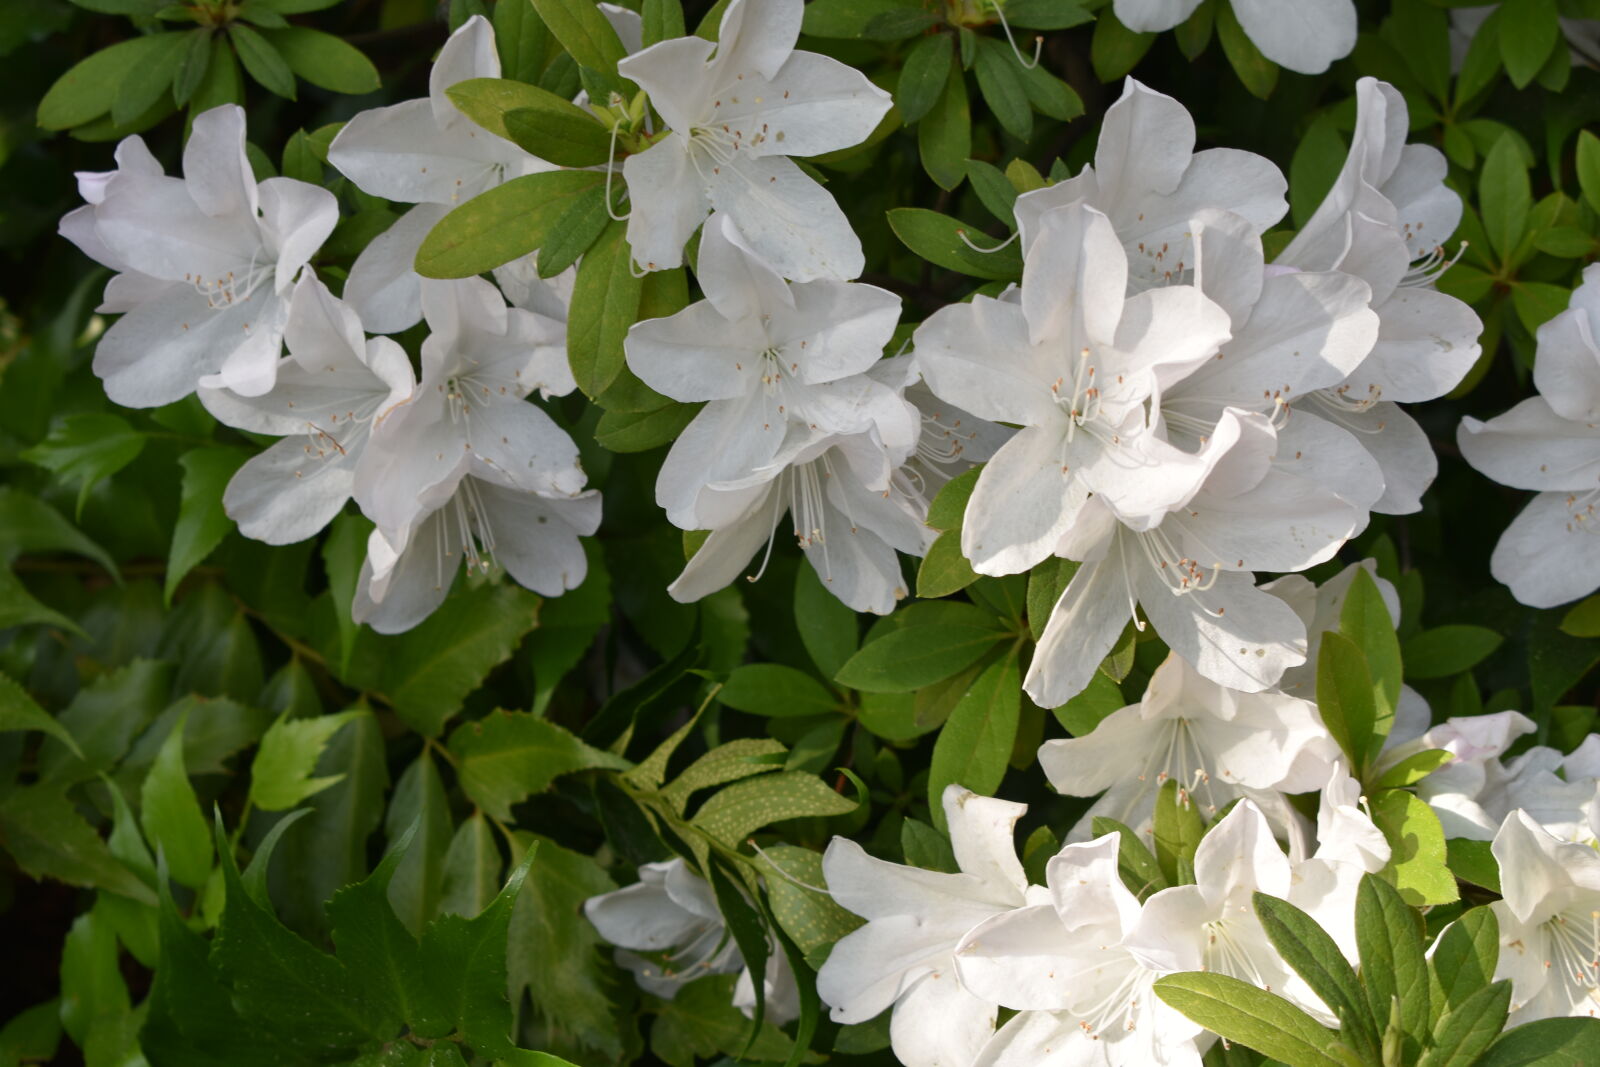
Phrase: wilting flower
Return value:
(330, 390)
(1551, 443)
(737, 109)
(205, 264)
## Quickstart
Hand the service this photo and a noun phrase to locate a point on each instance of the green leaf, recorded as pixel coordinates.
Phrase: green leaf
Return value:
(1046, 583)
(1084, 712)
(793, 876)
(845, 18)
(1417, 848)
(1045, 14)
(1538, 302)
(729, 762)
(1049, 95)
(1583, 618)
(974, 746)
(1465, 1031)
(419, 808)
(827, 628)
(193, 63)
(1137, 866)
(558, 959)
(326, 61)
(465, 961)
(262, 61)
(505, 223)
(992, 187)
(640, 431)
(171, 813)
(1414, 768)
(1446, 650)
(1465, 956)
(1176, 833)
(937, 238)
(605, 300)
(944, 134)
(1546, 1043)
(1392, 963)
(1504, 195)
(1365, 620)
(381, 956)
(428, 672)
(1248, 1016)
(949, 507)
(1345, 697)
(28, 524)
(772, 689)
(917, 655)
(541, 122)
(19, 712)
(343, 552)
(1473, 862)
(944, 570)
(1527, 35)
(662, 20)
(1588, 166)
(300, 160)
(922, 80)
(47, 838)
(741, 809)
(472, 866)
(1115, 50)
(147, 84)
(89, 89)
(700, 1021)
(584, 32)
(201, 524)
(221, 83)
(1002, 89)
(281, 775)
(507, 756)
(1316, 958)
(1258, 73)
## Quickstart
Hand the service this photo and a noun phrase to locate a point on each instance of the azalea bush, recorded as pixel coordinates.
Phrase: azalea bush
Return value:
(972, 534)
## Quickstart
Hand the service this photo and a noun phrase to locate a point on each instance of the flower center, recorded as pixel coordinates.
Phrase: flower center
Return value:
(1082, 401)
(1573, 937)
(233, 287)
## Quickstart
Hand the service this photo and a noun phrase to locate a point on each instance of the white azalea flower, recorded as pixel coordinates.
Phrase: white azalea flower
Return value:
(1303, 35)
(771, 358)
(1216, 743)
(533, 535)
(424, 152)
(469, 414)
(1550, 443)
(1388, 207)
(1215, 919)
(1325, 880)
(206, 263)
(1319, 608)
(737, 109)
(1071, 958)
(1191, 573)
(329, 391)
(1150, 182)
(852, 510)
(1074, 362)
(1549, 922)
(915, 918)
(671, 915)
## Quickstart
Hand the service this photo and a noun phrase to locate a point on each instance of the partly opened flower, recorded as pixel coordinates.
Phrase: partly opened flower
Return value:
(1551, 443)
(737, 109)
(206, 263)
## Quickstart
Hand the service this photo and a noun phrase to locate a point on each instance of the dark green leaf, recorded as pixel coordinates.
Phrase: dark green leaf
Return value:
(201, 523)
(917, 655)
(922, 79)
(326, 61)
(1447, 650)
(944, 135)
(1546, 1043)
(1002, 88)
(1315, 957)
(605, 300)
(1392, 963)
(507, 756)
(938, 239)
(263, 62)
(974, 746)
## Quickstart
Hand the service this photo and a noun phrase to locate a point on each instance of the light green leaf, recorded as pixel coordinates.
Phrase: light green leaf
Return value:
(281, 775)
(88, 89)
(738, 811)
(1392, 964)
(171, 815)
(1504, 195)
(1316, 957)
(1258, 73)
(1115, 50)
(1417, 860)
(944, 570)
(472, 866)
(1465, 956)
(1248, 1016)
(1414, 768)
(1589, 168)
(505, 223)
(974, 745)
(507, 756)
(1365, 620)
(262, 61)
(605, 301)
(1345, 697)
(1527, 35)
(732, 761)
(326, 61)
(1546, 1043)
(811, 918)
(1465, 1031)
(584, 32)
(937, 238)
